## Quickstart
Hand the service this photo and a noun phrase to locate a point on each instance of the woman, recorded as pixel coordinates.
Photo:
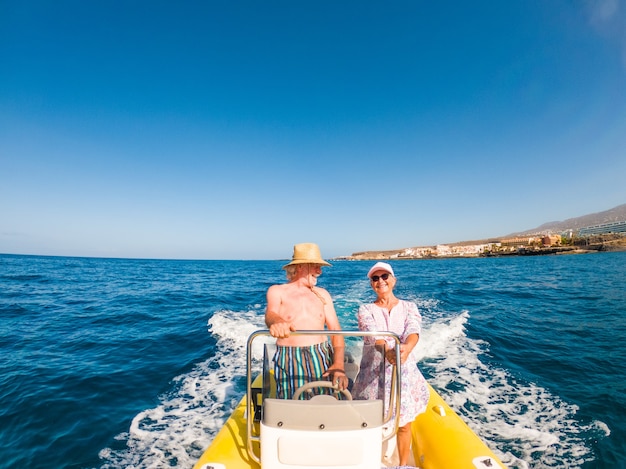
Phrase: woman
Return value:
(389, 313)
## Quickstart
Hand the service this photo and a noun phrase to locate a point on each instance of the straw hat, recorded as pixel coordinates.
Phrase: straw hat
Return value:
(380, 266)
(306, 253)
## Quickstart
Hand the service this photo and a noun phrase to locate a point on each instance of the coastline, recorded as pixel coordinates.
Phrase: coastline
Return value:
(495, 248)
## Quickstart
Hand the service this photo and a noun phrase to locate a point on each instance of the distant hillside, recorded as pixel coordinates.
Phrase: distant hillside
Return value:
(615, 214)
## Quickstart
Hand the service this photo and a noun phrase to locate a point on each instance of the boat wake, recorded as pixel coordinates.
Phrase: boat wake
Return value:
(518, 420)
(176, 432)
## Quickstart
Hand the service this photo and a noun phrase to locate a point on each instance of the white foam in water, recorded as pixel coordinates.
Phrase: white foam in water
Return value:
(506, 412)
(177, 431)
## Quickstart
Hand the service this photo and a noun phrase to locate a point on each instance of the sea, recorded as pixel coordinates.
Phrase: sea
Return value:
(127, 363)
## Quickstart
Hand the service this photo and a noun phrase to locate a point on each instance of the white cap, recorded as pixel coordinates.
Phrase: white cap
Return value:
(380, 266)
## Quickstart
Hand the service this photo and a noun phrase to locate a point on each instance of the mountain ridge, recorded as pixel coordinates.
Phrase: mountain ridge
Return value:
(607, 216)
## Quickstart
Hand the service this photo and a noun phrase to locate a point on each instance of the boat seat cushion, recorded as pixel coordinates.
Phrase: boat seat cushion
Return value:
(322, 413)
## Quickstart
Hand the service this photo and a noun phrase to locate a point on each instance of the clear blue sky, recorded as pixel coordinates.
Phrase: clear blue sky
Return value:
(235, 129)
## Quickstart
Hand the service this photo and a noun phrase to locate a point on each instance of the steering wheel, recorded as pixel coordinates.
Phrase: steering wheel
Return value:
(320, 384)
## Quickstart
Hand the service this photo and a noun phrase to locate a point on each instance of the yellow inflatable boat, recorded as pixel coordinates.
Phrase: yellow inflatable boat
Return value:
(334, 431)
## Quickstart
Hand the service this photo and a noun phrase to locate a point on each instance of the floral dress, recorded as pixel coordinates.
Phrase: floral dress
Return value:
(404, 320)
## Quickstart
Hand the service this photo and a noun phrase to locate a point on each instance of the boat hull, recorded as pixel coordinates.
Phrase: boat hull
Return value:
(442, 440)
(228, 449)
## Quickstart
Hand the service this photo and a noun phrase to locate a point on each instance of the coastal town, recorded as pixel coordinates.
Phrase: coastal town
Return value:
(596, 238)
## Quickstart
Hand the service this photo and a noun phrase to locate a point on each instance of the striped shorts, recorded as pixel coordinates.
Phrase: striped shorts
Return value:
(295, 366)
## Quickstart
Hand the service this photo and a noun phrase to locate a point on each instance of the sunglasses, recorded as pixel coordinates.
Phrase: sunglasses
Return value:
(376, 278)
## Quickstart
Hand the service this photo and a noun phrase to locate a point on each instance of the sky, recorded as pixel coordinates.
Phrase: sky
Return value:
(236, 129)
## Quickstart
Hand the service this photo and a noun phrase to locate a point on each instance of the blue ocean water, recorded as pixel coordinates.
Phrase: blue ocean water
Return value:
(111, 363)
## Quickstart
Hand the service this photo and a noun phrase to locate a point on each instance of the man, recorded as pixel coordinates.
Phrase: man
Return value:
(300, 305)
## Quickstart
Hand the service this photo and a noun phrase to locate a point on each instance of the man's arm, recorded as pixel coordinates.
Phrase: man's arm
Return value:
(277, 325)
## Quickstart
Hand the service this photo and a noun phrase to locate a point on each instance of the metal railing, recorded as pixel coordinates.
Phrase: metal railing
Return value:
(394, 398)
